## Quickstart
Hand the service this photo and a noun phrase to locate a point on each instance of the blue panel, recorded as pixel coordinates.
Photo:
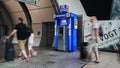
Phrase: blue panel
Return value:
(70, 36)
(56, 35)
(66, 19)
(64, 8)
(74, 34)
(55, 42)
(74, 47)
(69, 43)
(75, 27)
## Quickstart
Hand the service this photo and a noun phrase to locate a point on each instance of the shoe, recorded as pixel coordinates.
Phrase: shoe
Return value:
(18, 57)
(29, 55)
(24, 59)
(97, 61)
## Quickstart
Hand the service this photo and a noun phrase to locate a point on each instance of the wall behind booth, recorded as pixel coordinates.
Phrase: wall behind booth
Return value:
(111, 34)
(42, 13)
(15, 10)
(37, 27)
(39, 15)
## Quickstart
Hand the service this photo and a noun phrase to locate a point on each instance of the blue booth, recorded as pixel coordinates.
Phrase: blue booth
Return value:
(65, 35)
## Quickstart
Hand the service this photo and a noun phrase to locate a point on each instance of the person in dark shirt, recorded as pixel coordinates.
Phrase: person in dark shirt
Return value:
(21, 30)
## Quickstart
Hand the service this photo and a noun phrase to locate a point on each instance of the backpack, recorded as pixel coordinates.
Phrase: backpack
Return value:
(100, 31)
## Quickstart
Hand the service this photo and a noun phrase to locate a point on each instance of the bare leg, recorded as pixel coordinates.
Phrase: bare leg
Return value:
(20, 53)
(32, 50)
(24, 53)
(96, 55)
(29, 53)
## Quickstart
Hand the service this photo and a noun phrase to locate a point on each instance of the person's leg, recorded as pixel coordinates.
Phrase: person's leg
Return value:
(24, 53)
(22, 48)
(96, 53)
(20, 53)
(29, 50)
(32, 50)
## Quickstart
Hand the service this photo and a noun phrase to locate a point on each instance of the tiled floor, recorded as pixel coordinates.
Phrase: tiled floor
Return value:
(47, 59)
(107, 60)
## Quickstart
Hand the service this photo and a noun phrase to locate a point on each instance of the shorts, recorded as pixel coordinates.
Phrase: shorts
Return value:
(21, 44)
(92, 46)
(30, 46)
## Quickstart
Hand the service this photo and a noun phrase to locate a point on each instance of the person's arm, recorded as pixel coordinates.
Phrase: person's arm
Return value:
(12, 33)
(96, 34)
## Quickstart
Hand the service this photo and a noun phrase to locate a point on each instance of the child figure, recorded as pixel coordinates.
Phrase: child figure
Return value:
(31, 51)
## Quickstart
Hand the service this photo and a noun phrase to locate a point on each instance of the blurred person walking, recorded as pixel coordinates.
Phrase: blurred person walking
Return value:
(93, 42)
(31, 51)
(21, 30)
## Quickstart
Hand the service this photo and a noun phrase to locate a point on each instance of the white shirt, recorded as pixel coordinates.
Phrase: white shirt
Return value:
(31, 39)
(94, 25)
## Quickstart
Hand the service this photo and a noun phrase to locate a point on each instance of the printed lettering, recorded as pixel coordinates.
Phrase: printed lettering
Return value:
(111, 34)
(108, 35)
(101, 37)
(115, 31)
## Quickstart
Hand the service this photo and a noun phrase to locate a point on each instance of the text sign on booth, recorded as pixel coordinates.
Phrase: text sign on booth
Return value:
(32, 2)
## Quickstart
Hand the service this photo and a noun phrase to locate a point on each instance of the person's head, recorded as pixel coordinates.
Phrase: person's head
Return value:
(20, 20)
(93, 19)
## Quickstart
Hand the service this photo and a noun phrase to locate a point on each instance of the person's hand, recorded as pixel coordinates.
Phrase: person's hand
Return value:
(7, 37)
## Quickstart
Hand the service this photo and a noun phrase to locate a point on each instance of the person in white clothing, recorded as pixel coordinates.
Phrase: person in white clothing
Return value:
(31, 51)
(93, 42)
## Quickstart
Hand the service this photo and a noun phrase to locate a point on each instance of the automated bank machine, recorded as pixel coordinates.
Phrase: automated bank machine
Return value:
(65, 35)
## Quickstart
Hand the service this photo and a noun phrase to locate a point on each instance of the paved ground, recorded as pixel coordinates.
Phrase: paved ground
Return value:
(47, 59)
(107, 60)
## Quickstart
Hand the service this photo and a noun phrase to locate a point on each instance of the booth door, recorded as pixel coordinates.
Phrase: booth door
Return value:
(62, 38)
